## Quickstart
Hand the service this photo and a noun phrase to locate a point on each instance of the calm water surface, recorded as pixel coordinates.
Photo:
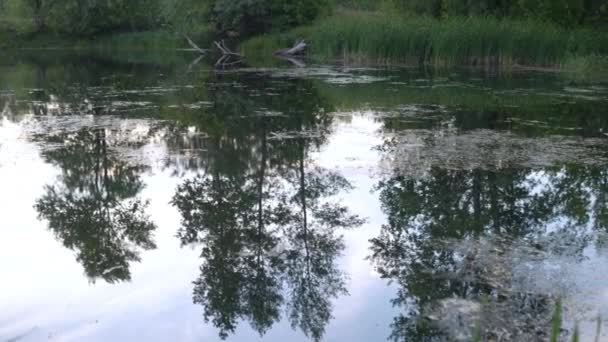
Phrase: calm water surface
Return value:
(152, 202)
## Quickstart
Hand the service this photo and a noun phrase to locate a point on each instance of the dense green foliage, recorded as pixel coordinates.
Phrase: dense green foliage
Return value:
(90, 17)
(80, 18)
(256, 16)
(565, 12)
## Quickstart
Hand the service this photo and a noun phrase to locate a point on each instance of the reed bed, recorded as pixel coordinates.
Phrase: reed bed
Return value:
(384, 38)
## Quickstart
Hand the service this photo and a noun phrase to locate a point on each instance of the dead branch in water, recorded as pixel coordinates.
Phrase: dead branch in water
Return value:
(225, 50)
(297, 49)
(227, 61)
(194, 46)
(229, 58)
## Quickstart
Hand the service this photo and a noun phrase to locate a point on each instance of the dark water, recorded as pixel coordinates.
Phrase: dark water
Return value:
(168, 202)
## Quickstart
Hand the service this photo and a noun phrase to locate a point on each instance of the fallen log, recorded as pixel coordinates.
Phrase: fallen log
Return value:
(297, 49)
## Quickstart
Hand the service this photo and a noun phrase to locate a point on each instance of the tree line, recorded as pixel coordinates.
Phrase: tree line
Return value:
(91, 17)
(246, 17)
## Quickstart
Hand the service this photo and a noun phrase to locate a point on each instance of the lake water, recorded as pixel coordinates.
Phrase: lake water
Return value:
(142, 201)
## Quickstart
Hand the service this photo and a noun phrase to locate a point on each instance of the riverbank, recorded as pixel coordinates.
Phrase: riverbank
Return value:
(379, 38)
(360, 37)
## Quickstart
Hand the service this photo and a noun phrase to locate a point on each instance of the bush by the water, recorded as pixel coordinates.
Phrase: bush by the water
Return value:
(80, 18)
(92, 17)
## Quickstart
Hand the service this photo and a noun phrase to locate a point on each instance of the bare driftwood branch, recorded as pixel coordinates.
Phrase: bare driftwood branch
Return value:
(225, 50)
(194, 46)
(221, 60)
(298, 48)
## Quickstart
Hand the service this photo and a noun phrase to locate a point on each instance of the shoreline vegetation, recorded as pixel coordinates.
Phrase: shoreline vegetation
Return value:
(360, 37)
(547, 35)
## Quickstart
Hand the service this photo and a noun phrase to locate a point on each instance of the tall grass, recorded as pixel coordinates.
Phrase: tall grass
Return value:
(598, 330)
(381, 37)
(556, 322)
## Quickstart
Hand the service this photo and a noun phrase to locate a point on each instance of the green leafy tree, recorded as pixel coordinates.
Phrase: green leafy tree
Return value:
(40, 11)
(564, 12)
(94, 16)
(246, 16)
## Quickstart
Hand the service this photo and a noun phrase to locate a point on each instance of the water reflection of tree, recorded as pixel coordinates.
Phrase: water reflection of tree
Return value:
(459, 234)
(7, 105)
(238, 113)
(263, 213)
(260, 238)
(308, 225)
(94, 207)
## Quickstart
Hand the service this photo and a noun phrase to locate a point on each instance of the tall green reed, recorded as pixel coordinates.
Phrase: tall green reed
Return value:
(389, 38)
